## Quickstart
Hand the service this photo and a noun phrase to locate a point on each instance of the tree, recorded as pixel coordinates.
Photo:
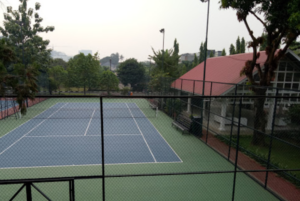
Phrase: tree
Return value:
(21, 32)
(57, 77)
(59, 62)
(295, 47)
(131, 72)
(166, 62)
(202, 52)
(195, 62)
(231, 50)
(224, 52)
(108, 81)
(238, 45)
(281, 21)
(211, 54)
(243, 46)
(84, 71)
(121, 57)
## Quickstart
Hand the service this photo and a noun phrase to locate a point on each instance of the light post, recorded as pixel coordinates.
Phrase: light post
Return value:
(204, 69)
(163, 55)
(205, 48)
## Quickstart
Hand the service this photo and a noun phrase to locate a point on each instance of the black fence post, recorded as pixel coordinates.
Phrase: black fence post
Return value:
(208, 115)
(194, 88)
(237, 149)
(232, 118)
(102, 147)
(28, 192)
(71, 190)
(271, 136)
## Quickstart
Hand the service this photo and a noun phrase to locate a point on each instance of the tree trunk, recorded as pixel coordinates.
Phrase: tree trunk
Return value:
(259, 119)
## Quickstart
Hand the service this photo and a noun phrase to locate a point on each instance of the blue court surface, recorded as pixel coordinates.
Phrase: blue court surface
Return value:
(69, 134)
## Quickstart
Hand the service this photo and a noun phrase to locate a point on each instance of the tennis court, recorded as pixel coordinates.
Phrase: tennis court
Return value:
(129, 138)
(61, 137)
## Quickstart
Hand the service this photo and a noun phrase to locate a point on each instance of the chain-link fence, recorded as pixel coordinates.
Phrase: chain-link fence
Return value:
(149, 147)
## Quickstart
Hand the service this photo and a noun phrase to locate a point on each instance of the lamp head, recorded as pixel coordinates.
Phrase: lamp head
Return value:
(162, 31)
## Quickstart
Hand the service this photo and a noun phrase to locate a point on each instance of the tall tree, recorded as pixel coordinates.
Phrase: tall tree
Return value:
(59, 62)
(57, 77)
(232, 49)
(108, 81)
(195, 62)
(84, 71)
(211, 54)
(21, 32)
(224, 52)
(202, 52)
(238, 45)
(166, 62)
(131, 72)
(281, 22)
(243, 45)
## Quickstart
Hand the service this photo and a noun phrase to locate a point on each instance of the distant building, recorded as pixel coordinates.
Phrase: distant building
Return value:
(86, 52)
(190, 56)
(59, 55)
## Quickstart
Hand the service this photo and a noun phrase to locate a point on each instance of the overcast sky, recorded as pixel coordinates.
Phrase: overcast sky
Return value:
(131, 27)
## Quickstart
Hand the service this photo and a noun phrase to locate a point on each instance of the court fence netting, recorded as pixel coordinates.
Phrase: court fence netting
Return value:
(150, 147)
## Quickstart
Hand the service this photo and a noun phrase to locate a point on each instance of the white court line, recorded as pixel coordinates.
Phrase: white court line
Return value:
(108, 135)
(66, 166)
(141, 134)
(27, 121)
(160, 134)
(89, 123)
(31, 130)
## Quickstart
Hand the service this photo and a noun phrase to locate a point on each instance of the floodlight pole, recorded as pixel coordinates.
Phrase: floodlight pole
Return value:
(205, 53)
(163, 55)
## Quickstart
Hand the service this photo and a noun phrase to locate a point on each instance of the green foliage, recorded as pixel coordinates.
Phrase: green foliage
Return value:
(114, 58)
(195, 62)
(125, 91)
(243, 46)
(238, 45)
(131, 72)
(166, 63)
(211, 54)
(27, 53)
(173, 107)
(109, 81)
(58, 76)
(59, 62)
(202, 52)
(295, 47)
(231, 50)
(84, 71)
(281, 22)
(223, 52)
(293, 114)
(23, 35)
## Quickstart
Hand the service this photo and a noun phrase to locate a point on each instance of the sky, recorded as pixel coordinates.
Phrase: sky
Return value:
(131, 27)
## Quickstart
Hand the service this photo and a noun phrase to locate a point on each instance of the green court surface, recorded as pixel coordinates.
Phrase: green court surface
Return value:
(195, 156)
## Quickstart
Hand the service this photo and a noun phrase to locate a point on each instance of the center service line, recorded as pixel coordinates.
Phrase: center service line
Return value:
(87, 128)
